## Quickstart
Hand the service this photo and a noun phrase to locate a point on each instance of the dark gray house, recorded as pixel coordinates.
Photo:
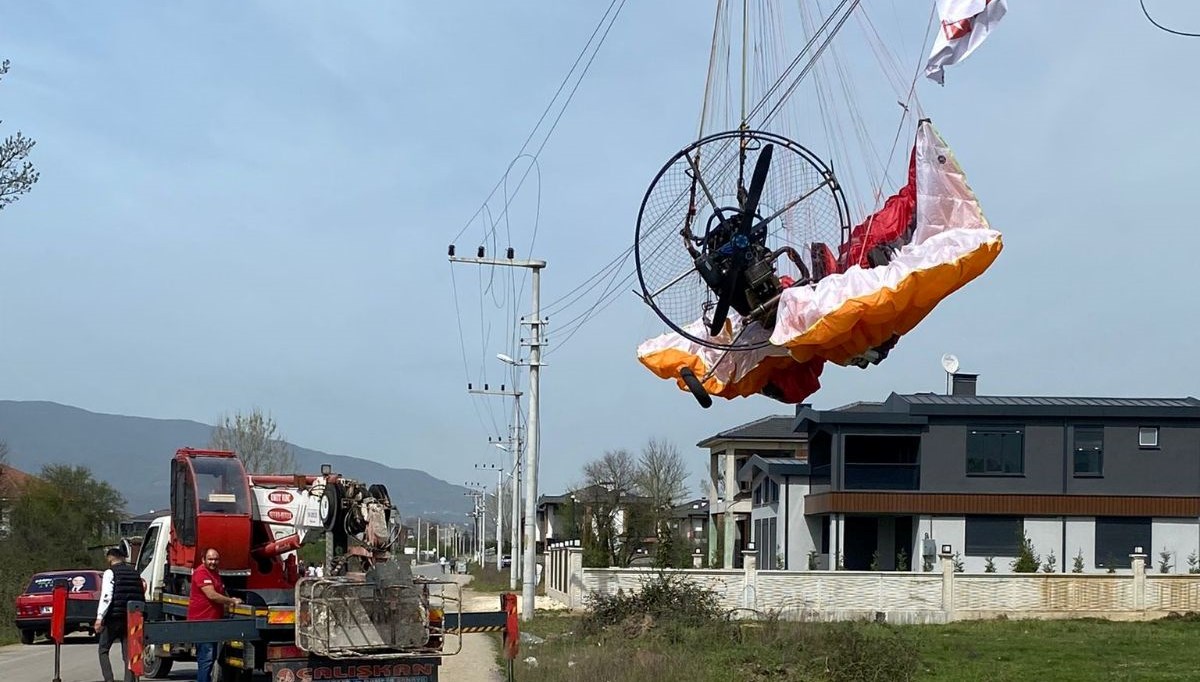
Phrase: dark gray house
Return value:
(888, 483)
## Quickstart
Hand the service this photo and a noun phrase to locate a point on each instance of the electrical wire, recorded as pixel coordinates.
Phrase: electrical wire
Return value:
(545, 112)
(1165, 28)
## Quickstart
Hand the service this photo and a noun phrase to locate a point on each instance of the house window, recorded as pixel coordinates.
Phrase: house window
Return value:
(1147, 436)
(766, 492)
(826, 521)
(1089, 450)
(994, 535)
(996, 451)
(1116, 538)
(765, 537)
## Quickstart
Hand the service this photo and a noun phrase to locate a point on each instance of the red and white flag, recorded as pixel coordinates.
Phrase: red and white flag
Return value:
(965, 24)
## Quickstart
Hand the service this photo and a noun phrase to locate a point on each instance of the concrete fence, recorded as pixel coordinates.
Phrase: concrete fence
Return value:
(894, 596)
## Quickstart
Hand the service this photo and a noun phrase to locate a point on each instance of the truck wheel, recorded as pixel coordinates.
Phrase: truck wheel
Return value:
(331, 499)
(26, 636)
(155, 666)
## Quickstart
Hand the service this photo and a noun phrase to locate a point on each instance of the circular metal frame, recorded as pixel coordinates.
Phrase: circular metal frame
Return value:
(746, 139)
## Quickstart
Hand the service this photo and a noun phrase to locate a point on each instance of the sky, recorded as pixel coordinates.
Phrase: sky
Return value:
(248, 204)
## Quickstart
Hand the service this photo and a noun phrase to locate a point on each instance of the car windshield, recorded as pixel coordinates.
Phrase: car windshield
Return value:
(43, 583)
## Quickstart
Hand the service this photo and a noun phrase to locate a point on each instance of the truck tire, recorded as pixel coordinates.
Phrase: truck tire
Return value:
(27, 636)
(155, 666)
(331, 500)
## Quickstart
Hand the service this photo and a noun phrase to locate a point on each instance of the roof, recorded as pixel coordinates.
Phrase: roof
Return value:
(148, 516)
(916, 409)
(1047, 406)
(773, 427)
(775, 466)
(587, 492)
(12, 479)
(936, 399)
(696, 507)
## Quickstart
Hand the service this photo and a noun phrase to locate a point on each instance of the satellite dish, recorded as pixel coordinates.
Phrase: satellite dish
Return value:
(949, 363)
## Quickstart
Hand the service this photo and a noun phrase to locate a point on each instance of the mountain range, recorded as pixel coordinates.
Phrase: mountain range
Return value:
(133, 454)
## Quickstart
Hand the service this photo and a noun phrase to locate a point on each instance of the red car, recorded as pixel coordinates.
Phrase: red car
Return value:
(83, 596)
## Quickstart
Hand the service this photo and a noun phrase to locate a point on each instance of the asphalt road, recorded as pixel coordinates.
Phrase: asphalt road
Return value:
(78, 662)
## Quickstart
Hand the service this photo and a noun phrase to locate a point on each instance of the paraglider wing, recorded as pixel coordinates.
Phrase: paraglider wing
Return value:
(937, 241)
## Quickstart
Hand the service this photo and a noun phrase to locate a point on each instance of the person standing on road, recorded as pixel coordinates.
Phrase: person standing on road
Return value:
(206, 602)
(121, 584)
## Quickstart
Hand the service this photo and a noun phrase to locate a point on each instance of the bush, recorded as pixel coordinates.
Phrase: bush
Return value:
(665, 598)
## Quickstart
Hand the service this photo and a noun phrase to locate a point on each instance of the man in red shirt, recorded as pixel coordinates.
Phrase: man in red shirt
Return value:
(206, 602)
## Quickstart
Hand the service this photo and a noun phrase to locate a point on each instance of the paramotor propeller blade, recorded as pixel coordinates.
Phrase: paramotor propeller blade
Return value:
(757, 182)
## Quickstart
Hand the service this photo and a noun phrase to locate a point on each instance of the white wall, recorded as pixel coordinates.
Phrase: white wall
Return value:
(799, 528)
(1046, 535)
(1179, 536)
(1081, 537)
(949, 530)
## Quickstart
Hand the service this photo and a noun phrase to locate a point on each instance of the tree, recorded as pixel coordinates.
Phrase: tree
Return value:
(255, 439)
(662, 477)
(1050, 564)
(17, 175)
(607, 494)
(1026, 561)
(62, 513)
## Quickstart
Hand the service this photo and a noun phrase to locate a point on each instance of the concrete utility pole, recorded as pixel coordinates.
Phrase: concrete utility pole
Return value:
(529, 584)
(499, 508)
(514, 449)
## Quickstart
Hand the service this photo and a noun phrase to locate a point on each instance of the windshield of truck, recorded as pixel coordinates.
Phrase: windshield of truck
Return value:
(221, 485)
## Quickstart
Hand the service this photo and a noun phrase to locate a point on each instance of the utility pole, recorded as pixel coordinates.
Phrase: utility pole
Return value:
(514, 450)
(529, 579)
(499, 508)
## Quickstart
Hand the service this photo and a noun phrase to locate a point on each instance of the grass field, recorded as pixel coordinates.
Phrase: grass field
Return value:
(985, 651)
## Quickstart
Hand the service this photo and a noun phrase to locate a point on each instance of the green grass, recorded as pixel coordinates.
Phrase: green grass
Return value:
(977, 651)
(487, 579)
(1167, 649)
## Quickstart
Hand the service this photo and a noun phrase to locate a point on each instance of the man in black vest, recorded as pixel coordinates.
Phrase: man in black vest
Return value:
(121, 585)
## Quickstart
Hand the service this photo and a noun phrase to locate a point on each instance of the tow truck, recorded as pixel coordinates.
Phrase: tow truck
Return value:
(367, 618)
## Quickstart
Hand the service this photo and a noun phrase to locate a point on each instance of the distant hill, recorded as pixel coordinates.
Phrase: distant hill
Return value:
(133, 454)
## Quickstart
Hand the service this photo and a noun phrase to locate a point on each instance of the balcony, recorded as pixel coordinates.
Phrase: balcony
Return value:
(881, 476)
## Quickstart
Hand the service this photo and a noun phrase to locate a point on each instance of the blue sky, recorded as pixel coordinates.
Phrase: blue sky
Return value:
(248, 204)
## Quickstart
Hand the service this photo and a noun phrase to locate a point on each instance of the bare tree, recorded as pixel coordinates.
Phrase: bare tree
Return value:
(662, 477)
(17, 175)
(606, 499)
(616, 470)
(255, 439)
(662, 473)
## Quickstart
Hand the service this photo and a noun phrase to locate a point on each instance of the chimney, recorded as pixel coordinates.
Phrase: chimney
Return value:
(963, 384)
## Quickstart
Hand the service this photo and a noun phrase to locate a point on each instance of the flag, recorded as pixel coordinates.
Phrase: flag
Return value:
(965, 24)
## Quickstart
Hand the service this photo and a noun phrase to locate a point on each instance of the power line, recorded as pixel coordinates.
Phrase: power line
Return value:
(1164, 28)
(549, 107)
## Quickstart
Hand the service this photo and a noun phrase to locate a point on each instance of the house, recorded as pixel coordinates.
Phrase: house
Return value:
(562, 517)
(689, 521)
(886, 485)
(730, 500)
(136, 526)
(12, 481)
